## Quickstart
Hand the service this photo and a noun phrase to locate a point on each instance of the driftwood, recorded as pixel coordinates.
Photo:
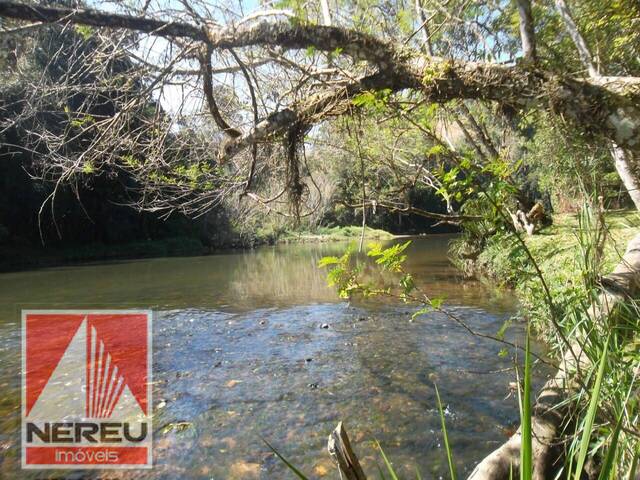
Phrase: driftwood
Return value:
(528, 222)
(548, 416)
(343, 456)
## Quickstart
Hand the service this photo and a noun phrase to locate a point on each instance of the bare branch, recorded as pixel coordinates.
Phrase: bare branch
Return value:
(359, 46)
(207, 82)
(583, 50)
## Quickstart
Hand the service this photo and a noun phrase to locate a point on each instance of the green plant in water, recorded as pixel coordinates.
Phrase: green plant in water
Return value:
(613, 443)
(524, 401)
(452, 466)
(587, 429)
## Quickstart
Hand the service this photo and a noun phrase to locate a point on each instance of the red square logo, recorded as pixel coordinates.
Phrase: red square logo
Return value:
(86, 389)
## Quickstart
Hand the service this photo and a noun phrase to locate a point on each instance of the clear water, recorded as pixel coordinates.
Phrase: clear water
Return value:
(239, 355)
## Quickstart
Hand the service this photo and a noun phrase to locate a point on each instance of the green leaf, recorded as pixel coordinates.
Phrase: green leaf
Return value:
(452, 466)
(387, 463)
(634, 463)
(526, 450)
(325, 261)
(297, 472)
(587, 429)
(422, 311)
(436, 302)
(608, 466)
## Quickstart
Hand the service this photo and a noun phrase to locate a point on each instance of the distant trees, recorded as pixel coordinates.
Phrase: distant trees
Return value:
(289, 73)
(52, 93)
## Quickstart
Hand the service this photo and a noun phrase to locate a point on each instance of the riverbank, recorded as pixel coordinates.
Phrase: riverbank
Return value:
(334, 234)
(561, 277)
(560, 258)
(20, 257)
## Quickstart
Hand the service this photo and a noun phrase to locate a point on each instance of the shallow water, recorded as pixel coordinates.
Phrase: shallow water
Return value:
(239, 355)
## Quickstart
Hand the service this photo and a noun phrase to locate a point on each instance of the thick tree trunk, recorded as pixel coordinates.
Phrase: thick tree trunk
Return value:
(326, 12)
(578, 39)
(621, 157)
(426, 37)
(550, 410)
(624, 166)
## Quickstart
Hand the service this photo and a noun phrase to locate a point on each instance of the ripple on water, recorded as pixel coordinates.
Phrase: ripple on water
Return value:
(225, 379)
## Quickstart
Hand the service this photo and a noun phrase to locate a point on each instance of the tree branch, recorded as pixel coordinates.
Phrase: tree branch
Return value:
(578, 39)
(207, 87)
(610, 108)
(358, 45)
(527, 35)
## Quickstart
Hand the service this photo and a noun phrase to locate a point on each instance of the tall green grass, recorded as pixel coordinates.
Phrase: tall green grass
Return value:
(524, 401)
(452, 466)
(587, 429)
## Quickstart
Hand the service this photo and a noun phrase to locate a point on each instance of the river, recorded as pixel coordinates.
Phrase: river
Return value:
(240, 355)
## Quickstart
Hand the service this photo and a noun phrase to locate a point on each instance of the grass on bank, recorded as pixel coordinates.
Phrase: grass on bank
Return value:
(557, 252)
(334, 234)
(555, 248)
(572, 257)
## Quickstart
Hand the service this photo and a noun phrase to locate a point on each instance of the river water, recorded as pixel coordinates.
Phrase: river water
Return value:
(240, 355)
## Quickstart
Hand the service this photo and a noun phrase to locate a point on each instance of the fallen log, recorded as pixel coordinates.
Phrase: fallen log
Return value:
(550, 409)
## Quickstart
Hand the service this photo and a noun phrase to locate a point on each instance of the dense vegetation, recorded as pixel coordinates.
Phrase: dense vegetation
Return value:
(48, 217)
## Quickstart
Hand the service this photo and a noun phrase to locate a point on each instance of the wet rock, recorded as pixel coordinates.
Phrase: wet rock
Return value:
(308, 360)
(176, 427)
(244, 470)
(313, 386)
(324, 325)
(322, 469)
(263, 322)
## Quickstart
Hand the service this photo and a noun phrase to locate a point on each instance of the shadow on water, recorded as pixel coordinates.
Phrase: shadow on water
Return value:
(239, 353)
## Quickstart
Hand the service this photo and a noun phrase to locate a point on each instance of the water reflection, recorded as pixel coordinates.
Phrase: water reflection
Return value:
(239, 354)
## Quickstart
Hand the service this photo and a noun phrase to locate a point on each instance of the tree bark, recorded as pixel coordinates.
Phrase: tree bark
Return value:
(326, 13)
(609, 106)
(426, 38)
(343, 455)
(623, 162)
(527, 35)
(578, 39)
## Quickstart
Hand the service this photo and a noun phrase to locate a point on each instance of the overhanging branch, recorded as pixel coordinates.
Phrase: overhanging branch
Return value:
(610, 108)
